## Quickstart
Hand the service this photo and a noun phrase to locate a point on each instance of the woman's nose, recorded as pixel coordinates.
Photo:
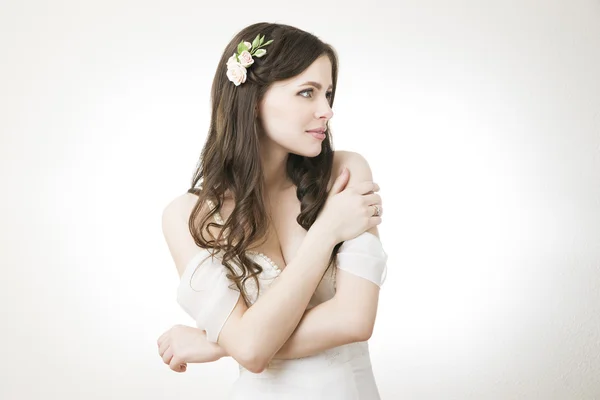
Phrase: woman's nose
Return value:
(324, 111)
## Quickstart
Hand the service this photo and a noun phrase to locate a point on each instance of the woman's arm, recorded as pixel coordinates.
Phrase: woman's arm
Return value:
(251, 335)
(243, 333)
(325, 326)
(333, 323)
(350, 315)
(246, 331)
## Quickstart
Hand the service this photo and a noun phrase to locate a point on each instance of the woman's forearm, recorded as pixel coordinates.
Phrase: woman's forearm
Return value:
(258, 332)
(323, 327)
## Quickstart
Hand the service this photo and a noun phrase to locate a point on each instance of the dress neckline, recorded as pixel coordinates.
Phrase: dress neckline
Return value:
(219, 220)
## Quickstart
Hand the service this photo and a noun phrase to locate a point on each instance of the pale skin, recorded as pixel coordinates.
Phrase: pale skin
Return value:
(288, 110)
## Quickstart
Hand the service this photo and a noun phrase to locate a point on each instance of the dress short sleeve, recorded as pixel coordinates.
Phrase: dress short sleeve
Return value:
(364, 256)
(204, 293)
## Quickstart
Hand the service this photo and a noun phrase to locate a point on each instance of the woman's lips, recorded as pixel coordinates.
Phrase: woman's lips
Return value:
(316, 134)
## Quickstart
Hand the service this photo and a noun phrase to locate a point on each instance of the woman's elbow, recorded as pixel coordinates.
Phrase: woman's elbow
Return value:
(245, 350)
(363, 330)
(253, 362)
(248, 356)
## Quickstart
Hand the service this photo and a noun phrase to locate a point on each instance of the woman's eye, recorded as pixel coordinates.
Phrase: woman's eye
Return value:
(310, 92)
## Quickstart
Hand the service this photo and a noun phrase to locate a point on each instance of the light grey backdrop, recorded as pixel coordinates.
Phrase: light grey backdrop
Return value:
(480, 120)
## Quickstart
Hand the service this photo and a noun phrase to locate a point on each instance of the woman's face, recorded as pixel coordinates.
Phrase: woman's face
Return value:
(294, 106)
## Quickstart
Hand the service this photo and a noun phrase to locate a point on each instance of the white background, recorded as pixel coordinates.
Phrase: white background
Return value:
(481, 123)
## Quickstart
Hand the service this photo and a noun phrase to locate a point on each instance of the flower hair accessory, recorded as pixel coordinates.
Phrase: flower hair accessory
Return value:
(242, 59)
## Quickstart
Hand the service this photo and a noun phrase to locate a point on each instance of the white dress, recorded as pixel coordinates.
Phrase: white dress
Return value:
(340, 373)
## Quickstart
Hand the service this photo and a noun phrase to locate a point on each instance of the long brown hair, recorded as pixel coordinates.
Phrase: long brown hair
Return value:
(230, 159)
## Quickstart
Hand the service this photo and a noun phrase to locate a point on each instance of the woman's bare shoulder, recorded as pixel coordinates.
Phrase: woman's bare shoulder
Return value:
(355, 162)
(175, 227)
(182, 205)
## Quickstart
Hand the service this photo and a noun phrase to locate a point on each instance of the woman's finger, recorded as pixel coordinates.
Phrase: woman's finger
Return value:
(162, 338)
(176, 364)
(366, 187)
(167, 356)
(164, 345)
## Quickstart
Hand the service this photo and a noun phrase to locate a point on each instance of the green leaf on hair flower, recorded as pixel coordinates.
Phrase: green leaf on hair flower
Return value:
(241, 47)
(260, 52)
(255, 42)
(261, 39)
(269, 42)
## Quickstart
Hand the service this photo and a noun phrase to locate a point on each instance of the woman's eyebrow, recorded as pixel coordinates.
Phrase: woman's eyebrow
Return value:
(315, 84)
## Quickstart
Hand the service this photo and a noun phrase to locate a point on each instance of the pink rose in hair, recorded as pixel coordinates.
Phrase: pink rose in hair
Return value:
(236, 73)
(237, 63)
(246, 59)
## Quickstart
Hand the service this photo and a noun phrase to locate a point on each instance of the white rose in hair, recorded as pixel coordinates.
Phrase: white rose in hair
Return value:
(246, 59)
(232, 60)
(248, 45)
(236, 73)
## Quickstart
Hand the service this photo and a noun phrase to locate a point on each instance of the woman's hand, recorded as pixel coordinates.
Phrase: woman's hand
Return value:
(348, 211)
(185, 344)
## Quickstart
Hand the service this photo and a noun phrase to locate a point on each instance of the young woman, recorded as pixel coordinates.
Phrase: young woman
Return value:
(276, 241)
